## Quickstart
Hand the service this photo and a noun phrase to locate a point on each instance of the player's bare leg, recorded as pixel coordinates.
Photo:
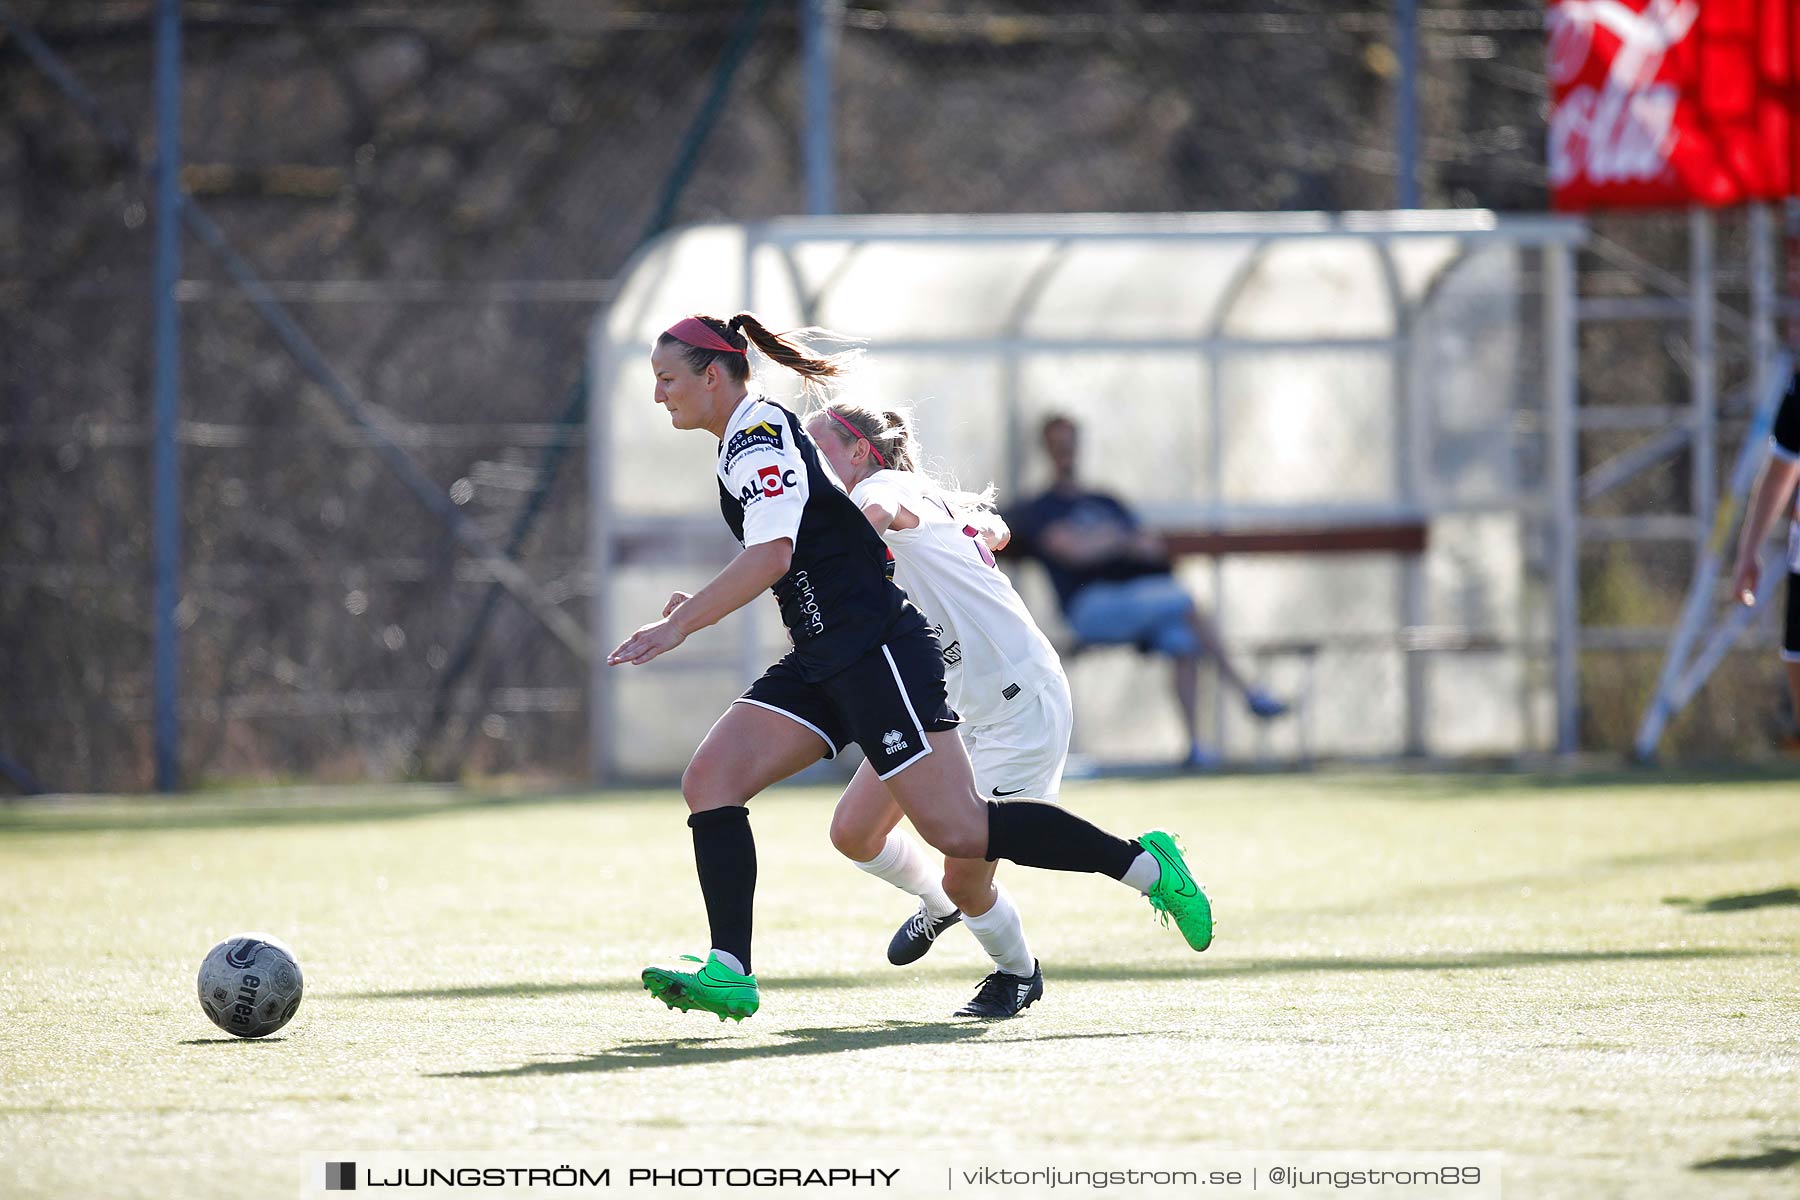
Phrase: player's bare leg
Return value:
(863, 828)
(937, 794)
(747, 750)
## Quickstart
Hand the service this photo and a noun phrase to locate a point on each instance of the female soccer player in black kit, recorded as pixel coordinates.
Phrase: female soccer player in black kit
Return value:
(865, 668)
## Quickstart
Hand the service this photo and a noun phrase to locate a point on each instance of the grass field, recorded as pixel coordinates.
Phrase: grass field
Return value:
(1598, 978)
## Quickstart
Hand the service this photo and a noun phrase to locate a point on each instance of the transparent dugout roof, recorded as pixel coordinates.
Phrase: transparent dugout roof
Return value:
(1131, 277)
(1204, 327)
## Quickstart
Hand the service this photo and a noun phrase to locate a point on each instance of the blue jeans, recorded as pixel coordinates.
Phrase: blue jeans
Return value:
(1151, 610)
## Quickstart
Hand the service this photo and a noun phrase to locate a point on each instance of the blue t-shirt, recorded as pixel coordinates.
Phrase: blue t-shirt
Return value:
(1092, 510)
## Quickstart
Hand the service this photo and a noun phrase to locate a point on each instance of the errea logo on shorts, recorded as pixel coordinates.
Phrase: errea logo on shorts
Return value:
(893, 741)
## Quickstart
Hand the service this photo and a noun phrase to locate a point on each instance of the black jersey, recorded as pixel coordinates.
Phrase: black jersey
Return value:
(837, 599)
(1785, 440)
(1784, 444)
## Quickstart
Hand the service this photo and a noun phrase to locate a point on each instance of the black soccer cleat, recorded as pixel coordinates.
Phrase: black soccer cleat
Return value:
(914, 938)
(1002, 995)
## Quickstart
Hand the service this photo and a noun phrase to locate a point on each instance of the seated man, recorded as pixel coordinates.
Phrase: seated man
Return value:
(1115, 585)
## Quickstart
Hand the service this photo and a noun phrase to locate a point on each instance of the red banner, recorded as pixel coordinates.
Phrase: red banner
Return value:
(1659, 103)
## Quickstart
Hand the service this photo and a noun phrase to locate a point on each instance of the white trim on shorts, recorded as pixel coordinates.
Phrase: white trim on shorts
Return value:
(832, 746)
(924, 746)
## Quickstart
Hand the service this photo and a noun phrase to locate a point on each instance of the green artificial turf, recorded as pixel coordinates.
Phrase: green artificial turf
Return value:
(1597, 979)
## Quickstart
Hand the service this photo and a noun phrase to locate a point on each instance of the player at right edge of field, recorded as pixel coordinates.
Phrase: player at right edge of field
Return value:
(1775, 484)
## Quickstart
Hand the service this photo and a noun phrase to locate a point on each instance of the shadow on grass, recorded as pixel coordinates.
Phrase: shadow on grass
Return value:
(308, 806)
(1196, 969)
(1770, 1160)
(1460, 781)
(1100, 972)
(623, 984)
(1738, 903)
(793, 1042)
(1580, 872)
(231, 1041)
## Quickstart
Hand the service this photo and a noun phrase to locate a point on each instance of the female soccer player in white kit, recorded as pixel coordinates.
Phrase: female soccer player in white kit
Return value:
(1001, 672)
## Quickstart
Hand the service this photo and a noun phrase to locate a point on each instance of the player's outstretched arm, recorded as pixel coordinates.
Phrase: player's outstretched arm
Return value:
(884, 518)
(1774, 486)
(755, 570)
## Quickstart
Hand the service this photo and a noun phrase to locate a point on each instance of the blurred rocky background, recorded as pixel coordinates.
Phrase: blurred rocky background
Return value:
(442, 192)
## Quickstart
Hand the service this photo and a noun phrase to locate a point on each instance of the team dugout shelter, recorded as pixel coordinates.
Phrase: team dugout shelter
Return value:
(1352, 428)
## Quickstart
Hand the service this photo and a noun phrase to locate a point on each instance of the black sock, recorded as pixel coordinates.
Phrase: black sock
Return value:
(1034, 834)
(725, 855)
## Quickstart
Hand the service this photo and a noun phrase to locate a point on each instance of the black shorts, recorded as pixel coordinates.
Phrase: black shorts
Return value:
(886, 701)
(1790, 640)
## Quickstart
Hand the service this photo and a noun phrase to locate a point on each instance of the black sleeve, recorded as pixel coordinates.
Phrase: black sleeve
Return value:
(1787, 422)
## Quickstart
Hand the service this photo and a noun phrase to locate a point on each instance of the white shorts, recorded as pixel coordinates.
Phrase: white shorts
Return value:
(1024, 753)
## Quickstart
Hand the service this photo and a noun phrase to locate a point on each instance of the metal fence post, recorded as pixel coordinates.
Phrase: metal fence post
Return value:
(1561, 384)
(1763, 341)
(1705, 380)
(1406, 107)
(166, 466)
(820, 36)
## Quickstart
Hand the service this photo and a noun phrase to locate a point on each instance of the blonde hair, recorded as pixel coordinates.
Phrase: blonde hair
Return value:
(890, 432)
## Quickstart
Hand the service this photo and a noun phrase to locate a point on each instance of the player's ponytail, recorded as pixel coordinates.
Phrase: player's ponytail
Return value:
(706, 340)
(790, 352)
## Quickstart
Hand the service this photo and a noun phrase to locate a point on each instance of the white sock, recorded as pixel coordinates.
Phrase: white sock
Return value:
(902, 862)
(1144, 872)
(728, 959)
(1002, 935)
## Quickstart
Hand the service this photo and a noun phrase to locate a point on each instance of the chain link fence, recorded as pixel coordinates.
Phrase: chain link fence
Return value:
(439, 195)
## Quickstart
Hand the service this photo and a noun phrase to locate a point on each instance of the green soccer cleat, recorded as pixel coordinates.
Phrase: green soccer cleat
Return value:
(1175, 894)
(714, 988)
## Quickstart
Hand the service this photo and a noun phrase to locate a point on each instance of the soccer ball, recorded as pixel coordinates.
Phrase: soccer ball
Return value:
(250, 985)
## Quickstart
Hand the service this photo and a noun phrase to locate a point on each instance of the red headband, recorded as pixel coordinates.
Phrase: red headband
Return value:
(695, 332)
(859, 436)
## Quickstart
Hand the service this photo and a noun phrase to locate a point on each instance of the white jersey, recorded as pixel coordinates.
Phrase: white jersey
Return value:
(995, 656)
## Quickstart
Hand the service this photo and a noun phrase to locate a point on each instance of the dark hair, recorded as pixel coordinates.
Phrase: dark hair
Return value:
(1053, 420)
(776, 348)
(698, 358)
